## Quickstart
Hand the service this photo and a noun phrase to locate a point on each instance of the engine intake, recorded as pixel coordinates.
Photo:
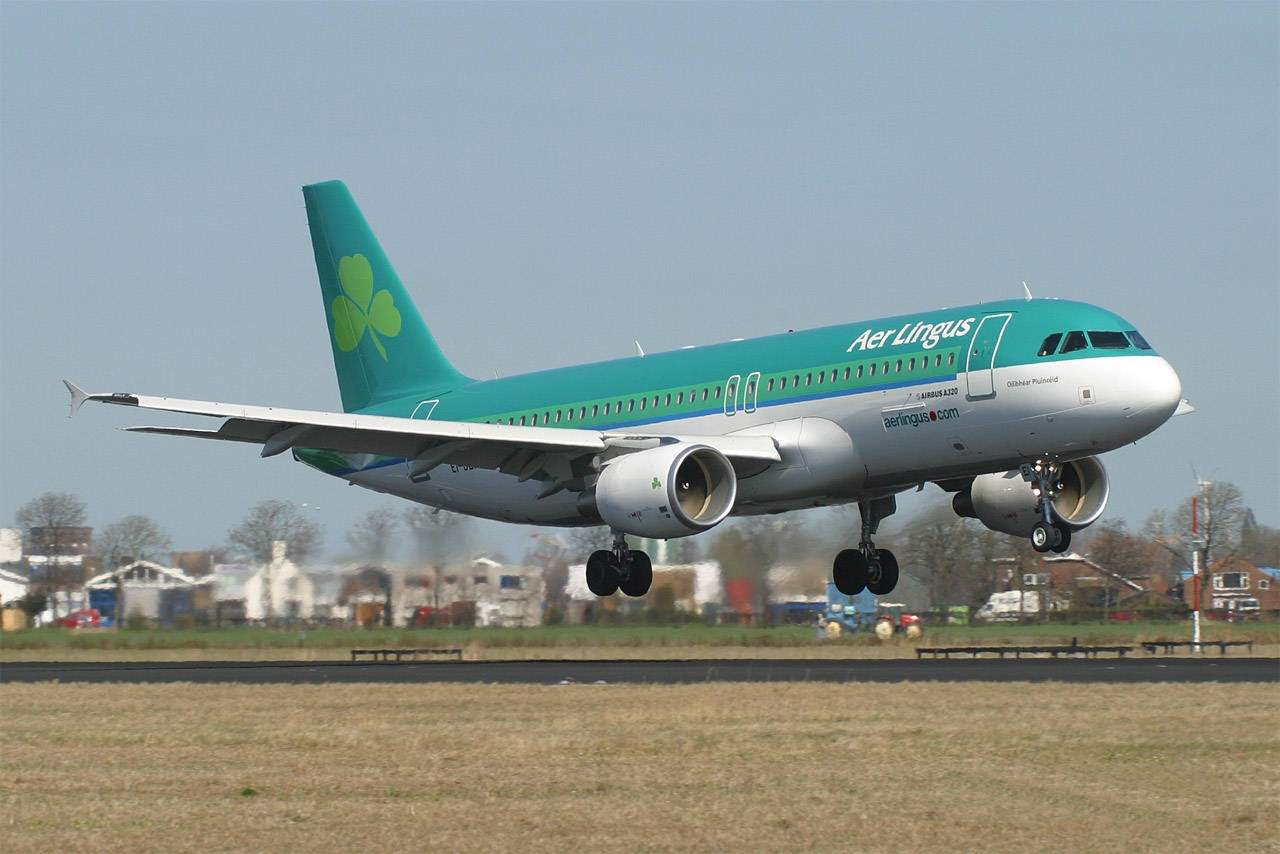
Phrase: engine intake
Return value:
(670, 491)
(1005, 502)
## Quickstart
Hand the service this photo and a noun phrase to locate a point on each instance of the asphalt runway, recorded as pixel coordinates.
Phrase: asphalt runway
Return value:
(1075, 670)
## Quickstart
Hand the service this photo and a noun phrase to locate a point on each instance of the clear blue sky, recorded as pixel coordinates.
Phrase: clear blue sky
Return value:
(555, 180)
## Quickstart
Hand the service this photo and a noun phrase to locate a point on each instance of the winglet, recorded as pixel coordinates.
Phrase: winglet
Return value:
(1027, 290)
(78, 397)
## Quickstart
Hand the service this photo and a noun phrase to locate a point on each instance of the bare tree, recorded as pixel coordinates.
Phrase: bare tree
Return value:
(1218, 518)
(57, 515)
(272, 520)
(132, 538)
(439, 536)
(1261, 545)
(372, 536)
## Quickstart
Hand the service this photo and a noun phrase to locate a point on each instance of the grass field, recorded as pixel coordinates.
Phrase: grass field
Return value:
(708, 767)
(695, 641)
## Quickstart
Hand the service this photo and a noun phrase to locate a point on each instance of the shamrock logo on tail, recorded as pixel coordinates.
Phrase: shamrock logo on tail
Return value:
(358, 308)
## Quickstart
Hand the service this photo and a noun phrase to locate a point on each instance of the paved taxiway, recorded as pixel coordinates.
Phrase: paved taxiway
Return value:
(1117, 670)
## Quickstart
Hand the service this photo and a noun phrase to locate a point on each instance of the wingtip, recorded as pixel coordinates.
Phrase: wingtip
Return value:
(78, 397)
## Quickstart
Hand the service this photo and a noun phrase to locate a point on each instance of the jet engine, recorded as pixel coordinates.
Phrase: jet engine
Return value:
(1005, 502)
(669, 491)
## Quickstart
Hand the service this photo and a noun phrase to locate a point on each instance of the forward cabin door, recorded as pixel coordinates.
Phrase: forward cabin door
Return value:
(980, 365)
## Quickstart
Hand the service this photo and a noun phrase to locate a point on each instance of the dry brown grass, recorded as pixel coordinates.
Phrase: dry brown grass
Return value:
(711, 767)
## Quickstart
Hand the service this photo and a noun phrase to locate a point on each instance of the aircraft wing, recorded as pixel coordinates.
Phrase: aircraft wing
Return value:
(540, 453)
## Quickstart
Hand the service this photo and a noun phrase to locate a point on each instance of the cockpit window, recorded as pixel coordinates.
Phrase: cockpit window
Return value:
(1050, 344)
(1138, 340)
(1075, 341)
(1108, 340)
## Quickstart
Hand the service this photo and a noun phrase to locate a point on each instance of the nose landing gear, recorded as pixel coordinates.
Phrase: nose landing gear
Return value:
(867, 567)
(1049, 534)
(628, 570)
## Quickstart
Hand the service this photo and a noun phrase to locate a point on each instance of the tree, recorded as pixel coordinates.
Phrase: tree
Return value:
(1218, 518)
(132, 538)
(439, 536)
(57, 514)
(1112, 547)
(1260, 545)
(273, 520)
(371, 537)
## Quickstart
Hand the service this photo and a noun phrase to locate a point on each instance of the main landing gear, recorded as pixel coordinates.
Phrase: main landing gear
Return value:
(866, 566)
(628, 570)
(1049, 534)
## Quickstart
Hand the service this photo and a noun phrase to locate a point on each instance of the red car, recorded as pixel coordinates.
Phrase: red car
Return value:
(87, 618)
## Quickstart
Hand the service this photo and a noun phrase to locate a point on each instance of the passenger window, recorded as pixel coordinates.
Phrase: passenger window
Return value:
(795, 381)
(679, 398)
(782, 383)
(951, 360)
(1138, 340)
(717, 392)
(1050, 344)
(1108, 340)
(557, 416)
(655, 401)
(937, 361)
(834, 371)
(668, 400)
(704, 394)
(859, 374)
(569, 415)
(1075, 341)
(846, 373)
(897, 368)
(884, 368)
(546, 418)
(582, 413)
(606, 409)
(770, 386)
(595, 410)
(911, 365)
(821, 376)
(631, 405)
(643, 402)
(873, 369)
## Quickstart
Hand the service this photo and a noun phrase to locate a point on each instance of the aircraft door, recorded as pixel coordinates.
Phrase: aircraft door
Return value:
(979, 366)
(731, 394)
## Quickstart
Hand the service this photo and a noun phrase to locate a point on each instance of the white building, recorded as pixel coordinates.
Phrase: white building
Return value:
(280, 590)
(150, 590)
(12, 587)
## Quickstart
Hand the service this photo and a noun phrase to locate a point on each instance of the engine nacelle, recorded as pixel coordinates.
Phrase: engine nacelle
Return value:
(670, 491)
(1005, 502)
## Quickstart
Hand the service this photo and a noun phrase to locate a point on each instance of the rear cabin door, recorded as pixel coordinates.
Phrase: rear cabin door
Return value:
(979, 367)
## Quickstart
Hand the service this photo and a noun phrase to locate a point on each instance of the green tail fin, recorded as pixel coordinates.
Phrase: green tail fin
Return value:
(382, 349)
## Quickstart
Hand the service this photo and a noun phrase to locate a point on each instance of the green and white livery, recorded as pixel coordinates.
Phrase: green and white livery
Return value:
(1006, 405)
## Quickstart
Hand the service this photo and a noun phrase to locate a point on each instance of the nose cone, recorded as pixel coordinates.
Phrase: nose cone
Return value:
(1156, 391)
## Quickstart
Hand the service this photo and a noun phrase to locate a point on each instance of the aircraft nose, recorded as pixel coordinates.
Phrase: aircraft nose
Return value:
(1158, 392)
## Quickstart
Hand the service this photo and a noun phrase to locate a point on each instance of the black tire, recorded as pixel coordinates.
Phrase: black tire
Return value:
(639, 575)
(602, 573)
(849, 572)
(888, 573)
(1043, 536)
(1063, 540)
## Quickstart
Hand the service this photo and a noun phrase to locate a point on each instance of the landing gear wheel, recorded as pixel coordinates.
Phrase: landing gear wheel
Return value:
(1063, 539)
(1044, 536)
(639, 575)
(888, 573)
(602, 573)
(849, 572)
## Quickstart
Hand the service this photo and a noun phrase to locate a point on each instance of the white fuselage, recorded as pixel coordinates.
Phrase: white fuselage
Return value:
(847, 447)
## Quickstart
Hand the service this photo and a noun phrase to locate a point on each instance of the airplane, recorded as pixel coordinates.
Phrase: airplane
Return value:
(1006, 405)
